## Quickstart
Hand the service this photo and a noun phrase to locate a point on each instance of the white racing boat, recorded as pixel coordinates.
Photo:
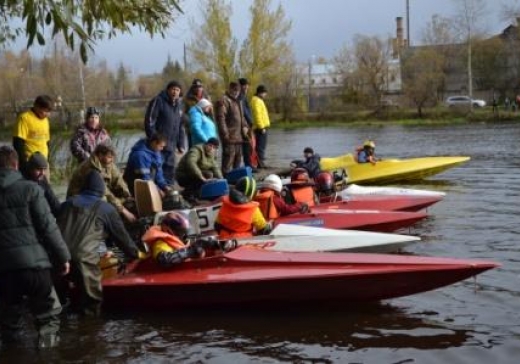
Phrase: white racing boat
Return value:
(356, 190)
(287, 237)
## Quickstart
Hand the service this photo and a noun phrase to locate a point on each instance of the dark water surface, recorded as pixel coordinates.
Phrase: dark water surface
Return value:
(469, 322)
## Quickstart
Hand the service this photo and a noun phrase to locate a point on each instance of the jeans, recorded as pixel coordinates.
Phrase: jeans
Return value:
(169, 166)
(261, 144)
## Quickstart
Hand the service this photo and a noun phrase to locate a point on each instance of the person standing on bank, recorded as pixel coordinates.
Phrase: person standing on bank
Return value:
(164, 116)
(202, 126)
(247, 146)
(261, 123)
(35, 171)
(29, 238)
(88, 136)
(232, 128)
(32, 131)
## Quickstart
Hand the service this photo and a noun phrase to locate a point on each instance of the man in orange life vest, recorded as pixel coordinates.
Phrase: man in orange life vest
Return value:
(167, 241)
(239, 216)
(301, 188)
(271, 201)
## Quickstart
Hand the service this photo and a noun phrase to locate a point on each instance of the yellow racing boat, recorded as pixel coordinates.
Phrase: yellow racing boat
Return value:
(390, 170)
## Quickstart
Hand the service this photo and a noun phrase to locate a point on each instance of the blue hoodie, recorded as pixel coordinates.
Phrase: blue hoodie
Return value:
(144, 163)
(201, 126)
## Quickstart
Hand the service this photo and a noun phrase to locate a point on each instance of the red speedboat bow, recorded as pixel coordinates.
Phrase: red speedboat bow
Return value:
(255, 277)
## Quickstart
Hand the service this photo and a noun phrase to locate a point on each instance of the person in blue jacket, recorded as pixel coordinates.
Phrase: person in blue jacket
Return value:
(202, 126)
(164, 115)
(145, 162)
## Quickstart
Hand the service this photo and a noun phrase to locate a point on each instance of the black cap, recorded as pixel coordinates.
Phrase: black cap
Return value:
(94, 182)
(243, 81)
(91, 111)
(308, 150)
(261, 89)
(213, 141)
(37, 161)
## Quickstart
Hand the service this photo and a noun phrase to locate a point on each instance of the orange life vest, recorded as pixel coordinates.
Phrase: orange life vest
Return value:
(236, 220)
(303, 194)
(266, 200)
(155, 233)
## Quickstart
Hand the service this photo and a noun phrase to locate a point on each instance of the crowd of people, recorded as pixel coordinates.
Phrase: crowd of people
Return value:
(39, 236)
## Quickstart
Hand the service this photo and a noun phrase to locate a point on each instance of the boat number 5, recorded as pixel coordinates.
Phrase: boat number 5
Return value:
(207, 216)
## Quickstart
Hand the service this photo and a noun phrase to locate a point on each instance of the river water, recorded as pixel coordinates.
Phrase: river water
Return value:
(468, 322)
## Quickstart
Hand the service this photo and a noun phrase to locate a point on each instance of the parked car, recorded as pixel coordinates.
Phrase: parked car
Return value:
(464, 101)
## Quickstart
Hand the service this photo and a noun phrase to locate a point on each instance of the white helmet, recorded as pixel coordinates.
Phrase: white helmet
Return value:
(272, 182)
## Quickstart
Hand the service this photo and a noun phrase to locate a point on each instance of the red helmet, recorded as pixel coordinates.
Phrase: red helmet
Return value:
(300, 175)
(325, 182)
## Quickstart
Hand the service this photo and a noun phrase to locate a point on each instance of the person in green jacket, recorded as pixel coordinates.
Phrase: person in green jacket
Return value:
(197, 167)
(87, 223)
(116, 192)
(30, 245)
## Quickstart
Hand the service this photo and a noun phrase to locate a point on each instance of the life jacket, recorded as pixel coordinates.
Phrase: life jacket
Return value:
(303, 194)
(236, 220)
(266, 200)
(155, 233)
(359, 149)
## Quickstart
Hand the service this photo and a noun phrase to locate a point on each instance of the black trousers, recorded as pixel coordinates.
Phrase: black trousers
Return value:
(36, 285)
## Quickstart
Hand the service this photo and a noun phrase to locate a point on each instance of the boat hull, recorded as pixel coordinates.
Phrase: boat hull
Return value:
(391, 170)
(380, 202)
(255, 277)
(371, 220)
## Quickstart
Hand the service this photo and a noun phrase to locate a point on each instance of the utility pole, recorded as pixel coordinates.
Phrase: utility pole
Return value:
(409, 41)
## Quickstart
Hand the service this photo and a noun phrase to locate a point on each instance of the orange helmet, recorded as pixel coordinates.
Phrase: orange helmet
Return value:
(325, 182)
(300, 175)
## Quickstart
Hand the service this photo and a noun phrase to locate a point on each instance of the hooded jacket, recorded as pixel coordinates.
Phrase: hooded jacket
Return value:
(165, 116)
(201, 126)
(29, 236)
(144, 163)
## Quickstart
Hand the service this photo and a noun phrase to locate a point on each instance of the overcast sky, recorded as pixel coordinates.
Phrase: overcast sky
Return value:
(319, 28)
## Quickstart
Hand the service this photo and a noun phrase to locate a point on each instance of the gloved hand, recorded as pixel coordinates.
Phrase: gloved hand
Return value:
(195, 251)
(304, 208)
(228, 245)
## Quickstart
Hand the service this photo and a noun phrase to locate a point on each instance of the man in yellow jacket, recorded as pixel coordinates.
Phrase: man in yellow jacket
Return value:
(261, 123)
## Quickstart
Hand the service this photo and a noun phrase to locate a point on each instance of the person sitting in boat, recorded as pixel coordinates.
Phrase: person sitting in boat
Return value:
(239, 216)
(145, 162)
(311, 162)
(168, 241)
(301, 188)
(197, 167)
(272, 204)
(116, 191)
(366, 154)
(326, 188)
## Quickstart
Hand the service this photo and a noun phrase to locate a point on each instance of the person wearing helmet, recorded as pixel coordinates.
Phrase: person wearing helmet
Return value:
(88, 136)
(311, 162)
(301, 188)
(325, 187)
(239, 216)
(167, 241)
(272, 204)
(367, 153)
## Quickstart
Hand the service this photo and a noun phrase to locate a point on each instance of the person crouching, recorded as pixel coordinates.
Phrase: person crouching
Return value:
(272, 204)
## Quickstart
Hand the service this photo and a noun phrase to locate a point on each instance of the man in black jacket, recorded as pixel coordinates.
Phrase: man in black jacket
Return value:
(29, 241)
(164, 116)
(35, 171)
(86, 222)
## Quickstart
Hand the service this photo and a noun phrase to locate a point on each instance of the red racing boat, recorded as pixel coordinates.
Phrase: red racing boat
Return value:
(380, 202)
(256, 277)
(372, 220)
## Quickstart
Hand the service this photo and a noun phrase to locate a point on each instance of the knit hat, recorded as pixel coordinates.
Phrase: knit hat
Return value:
(308, 150)
(261, 89)
(243, 81)
(37, 161)
(173, 83)
(197, 82)
(203, 103)
(213, 141)
(94, 183)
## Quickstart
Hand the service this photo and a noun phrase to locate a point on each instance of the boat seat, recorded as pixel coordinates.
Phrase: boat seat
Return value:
(147, 198)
